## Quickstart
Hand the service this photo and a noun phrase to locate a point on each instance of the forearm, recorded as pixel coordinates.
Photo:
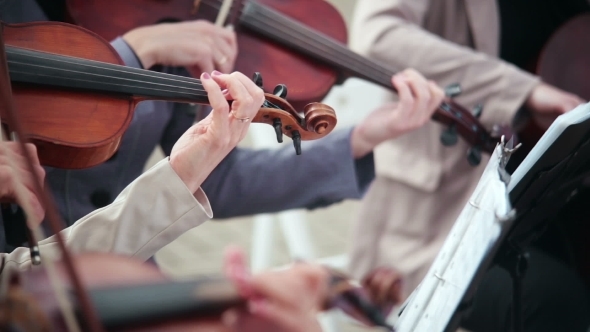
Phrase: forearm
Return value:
(391, 33)
(250, 182)
(150, 213)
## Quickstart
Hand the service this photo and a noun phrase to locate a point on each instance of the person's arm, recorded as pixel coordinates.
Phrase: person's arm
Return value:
(151, 212)
(337, 167)
(159, 206)
(130, 59)
(390, 31)
(261, 181)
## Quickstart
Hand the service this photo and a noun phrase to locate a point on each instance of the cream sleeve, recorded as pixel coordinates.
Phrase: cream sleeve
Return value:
(151, 212)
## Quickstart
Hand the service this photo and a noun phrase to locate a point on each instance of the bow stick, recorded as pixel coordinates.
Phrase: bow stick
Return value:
(53, 218)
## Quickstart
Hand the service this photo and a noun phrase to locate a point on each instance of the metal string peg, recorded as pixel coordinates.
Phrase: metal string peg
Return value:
(296, 141)
(477, 110)
(474, 156)
(453, 90)
(278, 125)
(257, 79)
(280, 91)
(449, 137)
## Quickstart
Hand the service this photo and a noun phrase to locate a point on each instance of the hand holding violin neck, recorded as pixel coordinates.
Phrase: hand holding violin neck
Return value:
(76, 87)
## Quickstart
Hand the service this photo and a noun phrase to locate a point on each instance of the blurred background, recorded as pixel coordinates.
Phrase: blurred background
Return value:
(274, 240)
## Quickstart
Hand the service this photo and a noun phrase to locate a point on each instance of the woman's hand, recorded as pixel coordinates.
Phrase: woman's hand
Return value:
(15, 177)
(196, 43)
(202, 147)
(418, 99)
(547, 102)
(279, 301)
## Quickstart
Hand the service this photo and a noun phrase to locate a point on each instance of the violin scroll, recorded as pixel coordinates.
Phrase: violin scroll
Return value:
(318, 119)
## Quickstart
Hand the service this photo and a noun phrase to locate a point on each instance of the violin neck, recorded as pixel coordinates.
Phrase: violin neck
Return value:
(127, 306)
(34, 67)
(286, 31)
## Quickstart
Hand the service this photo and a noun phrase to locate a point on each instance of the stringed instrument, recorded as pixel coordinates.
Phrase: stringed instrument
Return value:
(77, 99)
(128, 295)
(287, 41)
(36, 300)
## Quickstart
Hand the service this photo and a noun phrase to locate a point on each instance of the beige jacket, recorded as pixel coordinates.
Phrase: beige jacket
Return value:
(427, 183)
(437, 38)
(151, 212)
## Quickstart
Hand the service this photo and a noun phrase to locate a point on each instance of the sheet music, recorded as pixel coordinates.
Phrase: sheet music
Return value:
(477, 229)
(474, 233)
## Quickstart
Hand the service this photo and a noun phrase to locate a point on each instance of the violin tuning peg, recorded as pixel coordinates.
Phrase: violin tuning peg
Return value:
(280, 91)
(477, 110)
(474, 156)
(257, 79)
(453, 90)
(296, 141)
(449, 137)
(277, 124)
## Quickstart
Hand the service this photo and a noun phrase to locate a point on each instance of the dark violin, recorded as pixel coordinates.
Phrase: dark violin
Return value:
(131, 296)
(76, 99)
(288, 41)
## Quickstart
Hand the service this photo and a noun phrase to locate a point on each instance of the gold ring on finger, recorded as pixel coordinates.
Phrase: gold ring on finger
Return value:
(246, 119)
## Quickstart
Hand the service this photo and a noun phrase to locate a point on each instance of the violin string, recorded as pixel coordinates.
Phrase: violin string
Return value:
(379, 73)
(350, 60)
(310, 39)
(194, 84)
(345, 57)
(130, 85)
(340, 48)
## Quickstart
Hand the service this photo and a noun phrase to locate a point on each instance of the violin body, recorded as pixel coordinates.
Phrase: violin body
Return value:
(157, 307)
(71, 129)
(288, 41)
(129, 295)
(277, 63)
(75, 99)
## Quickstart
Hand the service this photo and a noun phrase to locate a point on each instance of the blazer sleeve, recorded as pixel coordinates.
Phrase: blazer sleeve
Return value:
(264, 181)
(151, 212)
(391, 31)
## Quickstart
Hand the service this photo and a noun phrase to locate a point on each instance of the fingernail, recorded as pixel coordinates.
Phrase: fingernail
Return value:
(224, 91)
(205, 76)
(215, 73)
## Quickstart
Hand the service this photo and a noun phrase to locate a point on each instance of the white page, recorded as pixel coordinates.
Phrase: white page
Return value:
(475, 232)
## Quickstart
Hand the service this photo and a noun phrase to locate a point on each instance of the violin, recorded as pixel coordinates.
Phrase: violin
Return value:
(99, 289)
(133, 296)
(288, 41)
(76, 99)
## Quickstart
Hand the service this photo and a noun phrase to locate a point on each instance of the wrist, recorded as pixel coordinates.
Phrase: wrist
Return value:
(193, 170)
(137, 41)
(359, 144)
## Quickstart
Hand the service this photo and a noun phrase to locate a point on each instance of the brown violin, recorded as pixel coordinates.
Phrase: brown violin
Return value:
(287, 41)
(129, 295)
(76, 99)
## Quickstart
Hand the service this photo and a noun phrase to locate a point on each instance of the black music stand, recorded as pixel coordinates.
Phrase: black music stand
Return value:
(503, 216)
(555, 170)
